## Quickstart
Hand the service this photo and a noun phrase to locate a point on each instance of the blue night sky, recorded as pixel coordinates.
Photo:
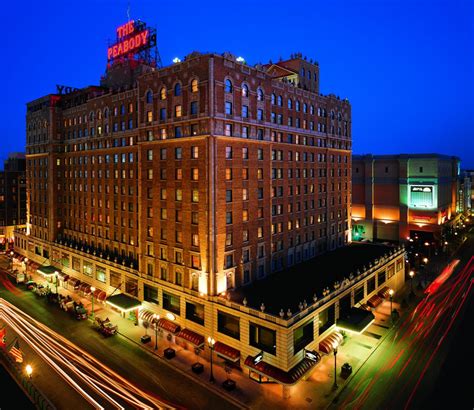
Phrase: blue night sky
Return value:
(406, 66)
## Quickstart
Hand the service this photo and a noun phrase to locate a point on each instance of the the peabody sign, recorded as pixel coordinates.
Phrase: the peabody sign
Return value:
(132, 38)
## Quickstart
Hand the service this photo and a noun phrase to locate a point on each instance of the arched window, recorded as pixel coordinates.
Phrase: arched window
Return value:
(259, 94)
(273, 98)
(280, 101)
(177, 89)
(163, 93)
(302, 72)
(290, 104)
(149, 97)
(309, 75)
(194, 86)
(228, 86)
(91, 116)
(332, 114)
(245, 90)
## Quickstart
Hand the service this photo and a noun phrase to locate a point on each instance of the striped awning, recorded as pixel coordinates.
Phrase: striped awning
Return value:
(192, 337)
(384, 293)
(168, 325)
(85, 287)
(99, 295)
(327, 344)
(75, 283)
(227, 352)
(374, 301)
(146, 316)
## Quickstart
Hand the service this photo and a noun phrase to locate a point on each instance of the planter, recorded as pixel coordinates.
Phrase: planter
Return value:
(197, 368)
(229, 384)
(145, 338)
(169, 353)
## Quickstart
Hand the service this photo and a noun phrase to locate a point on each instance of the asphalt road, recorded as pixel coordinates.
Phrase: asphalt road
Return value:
(403, 371)
(118, 353)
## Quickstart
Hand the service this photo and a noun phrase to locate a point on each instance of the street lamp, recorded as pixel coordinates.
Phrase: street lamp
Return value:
(425, 260)
(390, 292)
(155, 321)
(211, 342)
(29, 370)
(56, 274)
(412, 274)
(334, 346)
(92, 297)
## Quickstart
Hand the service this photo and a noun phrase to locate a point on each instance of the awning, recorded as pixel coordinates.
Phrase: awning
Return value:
(33, 265)
(123, 302)
(146, 316)
(365, 306)
(85, 287)
(384, 293)
(47, 270)
(65, 278)
(327, 344)
(374, 301)
(99, 295)
(227, 352)
(168, 325)
(356, 320)
(288, 378)
(75, 283)
(192, 337)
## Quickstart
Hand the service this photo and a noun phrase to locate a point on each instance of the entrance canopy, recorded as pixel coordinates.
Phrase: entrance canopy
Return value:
(123, 302)
(356, 320)
(48, 270)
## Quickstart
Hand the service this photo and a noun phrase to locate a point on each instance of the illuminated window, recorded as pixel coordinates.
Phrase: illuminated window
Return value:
(195, 174)
(177, 111)
(228, 174)
(179, 195)
(195, 239)
(163, 93)
(194, 152)
(194, 86)
(149, 116)
(195, 196)
(228, 152)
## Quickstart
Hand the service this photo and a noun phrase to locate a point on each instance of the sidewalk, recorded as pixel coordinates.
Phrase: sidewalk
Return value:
(314, 393)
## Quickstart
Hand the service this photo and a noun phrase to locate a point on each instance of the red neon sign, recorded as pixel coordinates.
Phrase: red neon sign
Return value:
(128, 41)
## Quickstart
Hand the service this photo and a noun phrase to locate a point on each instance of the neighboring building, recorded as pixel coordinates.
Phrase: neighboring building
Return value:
(397, 196)
(177, 186)
(12, 197)
(466, 191)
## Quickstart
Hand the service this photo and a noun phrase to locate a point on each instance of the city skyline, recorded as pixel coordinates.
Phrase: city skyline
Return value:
(408, 62)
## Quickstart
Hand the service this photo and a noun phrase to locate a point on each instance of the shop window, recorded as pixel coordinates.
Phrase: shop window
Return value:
(195, 312)
(228, 325)
(172, 303)
(302, 336)
(263, 338)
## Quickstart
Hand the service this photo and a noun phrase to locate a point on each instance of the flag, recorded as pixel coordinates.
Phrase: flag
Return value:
(3, 333)
(16, 352)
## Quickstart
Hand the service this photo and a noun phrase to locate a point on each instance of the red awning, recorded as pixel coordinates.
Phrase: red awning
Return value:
(384, 293)
(327, 344)
(65, 278)
(146, 316)
(74, 282)
(288, 378)
(85, 287)
(192, 337)
(99, 295)
(227, 352)
(168, 325)
(365, 306)
(374, 301)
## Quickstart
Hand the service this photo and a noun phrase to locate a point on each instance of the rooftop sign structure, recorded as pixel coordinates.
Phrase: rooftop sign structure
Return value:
(134, 40)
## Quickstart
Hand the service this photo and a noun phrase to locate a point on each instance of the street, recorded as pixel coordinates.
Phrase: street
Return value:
(402, 371)
(117, 353)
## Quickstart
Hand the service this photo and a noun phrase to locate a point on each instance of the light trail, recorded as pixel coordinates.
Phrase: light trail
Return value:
(62, 355)
(420, 334)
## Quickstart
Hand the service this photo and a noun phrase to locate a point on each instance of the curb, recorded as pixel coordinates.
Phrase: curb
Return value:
(220, 393)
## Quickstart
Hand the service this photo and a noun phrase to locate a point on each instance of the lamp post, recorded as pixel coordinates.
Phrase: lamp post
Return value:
(390, 292)
(335, 386)
(56, 274)
(29, 370)
(92, 298)
(155, 322)
(412, 274)
(211, 342)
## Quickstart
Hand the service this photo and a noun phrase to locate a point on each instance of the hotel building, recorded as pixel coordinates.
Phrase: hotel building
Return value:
(182, 187)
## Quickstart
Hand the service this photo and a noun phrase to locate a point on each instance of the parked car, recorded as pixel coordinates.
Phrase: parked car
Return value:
(106, 327)
(76, 309)
(40, 290)
(30, 285)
